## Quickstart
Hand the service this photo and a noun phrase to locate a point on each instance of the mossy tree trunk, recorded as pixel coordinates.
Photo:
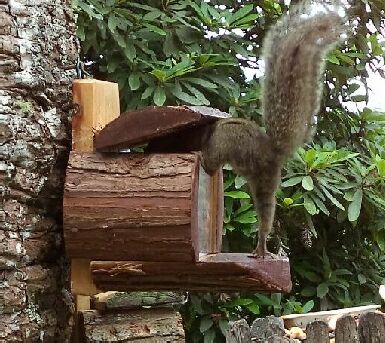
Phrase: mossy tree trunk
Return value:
(38, 49)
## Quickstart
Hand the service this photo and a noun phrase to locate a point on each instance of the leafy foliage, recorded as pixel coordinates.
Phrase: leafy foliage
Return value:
(331, 206)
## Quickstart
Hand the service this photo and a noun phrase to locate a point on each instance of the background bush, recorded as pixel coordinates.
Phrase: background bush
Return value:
(331, 206)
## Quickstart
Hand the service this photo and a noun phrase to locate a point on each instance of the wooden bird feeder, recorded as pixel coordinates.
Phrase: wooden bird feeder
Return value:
(153, 220)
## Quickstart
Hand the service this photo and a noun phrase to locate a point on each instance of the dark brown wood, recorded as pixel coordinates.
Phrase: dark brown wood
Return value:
(371, 328)
(144, 326)
(136, 207)
(130, 206)
(217, 272)
(317, 332)
(142, 126)
(346, 330)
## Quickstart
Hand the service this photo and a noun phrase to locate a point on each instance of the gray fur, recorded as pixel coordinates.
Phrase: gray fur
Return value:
(294, 51)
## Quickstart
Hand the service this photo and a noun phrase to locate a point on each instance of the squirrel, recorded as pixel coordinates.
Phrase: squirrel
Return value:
(293, 51)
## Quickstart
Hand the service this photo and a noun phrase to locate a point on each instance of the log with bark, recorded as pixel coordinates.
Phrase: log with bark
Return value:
(140, 207)
(144, 326)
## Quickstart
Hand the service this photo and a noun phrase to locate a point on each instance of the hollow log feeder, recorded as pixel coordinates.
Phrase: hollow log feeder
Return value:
(149, 221)
(137, 207)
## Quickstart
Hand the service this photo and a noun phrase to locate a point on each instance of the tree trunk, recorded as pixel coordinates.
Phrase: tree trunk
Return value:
(38, 49)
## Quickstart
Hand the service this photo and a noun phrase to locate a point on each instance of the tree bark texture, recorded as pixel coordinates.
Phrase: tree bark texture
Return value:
(144, 326)
(38, 49)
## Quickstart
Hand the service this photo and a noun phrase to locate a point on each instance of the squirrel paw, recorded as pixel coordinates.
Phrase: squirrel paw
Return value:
(262, 253)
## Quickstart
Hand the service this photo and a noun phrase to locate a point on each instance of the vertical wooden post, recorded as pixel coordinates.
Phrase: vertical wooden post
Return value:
(216, 188)
(98, 103)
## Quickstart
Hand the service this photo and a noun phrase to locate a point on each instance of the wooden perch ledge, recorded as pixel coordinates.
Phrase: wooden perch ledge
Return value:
(214, 272)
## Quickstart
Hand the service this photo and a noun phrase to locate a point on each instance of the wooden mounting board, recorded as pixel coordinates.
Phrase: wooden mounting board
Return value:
(142, 126)
(232, 272)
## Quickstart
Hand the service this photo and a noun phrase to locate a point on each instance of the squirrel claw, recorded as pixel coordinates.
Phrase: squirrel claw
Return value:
(263, 254)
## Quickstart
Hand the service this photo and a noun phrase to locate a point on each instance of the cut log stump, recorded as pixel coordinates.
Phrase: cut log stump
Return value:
(371, 328)
(346, 330)
(317, 332)
(144, 326)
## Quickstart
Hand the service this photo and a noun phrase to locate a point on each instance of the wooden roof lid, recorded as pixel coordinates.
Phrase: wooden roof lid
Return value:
(142, 126)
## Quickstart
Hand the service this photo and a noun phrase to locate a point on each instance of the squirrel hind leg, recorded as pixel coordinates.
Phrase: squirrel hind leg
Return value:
(263, 193)
(209, 161)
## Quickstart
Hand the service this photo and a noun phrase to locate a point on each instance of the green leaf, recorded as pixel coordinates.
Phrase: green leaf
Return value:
(112, 23)
(253, 308)
(223, 326)
(201, 82)
(308, 291)
(361, 279)
(134, 81)
(205, 324)
(209, 336)
(187, 98)
(238, 302)
(155, 29)
(332, 199)
(358, 98)
(309, 205)
(239, 182)
(248, 217)
(122, 42)
(355, 206)
(243, 208)
(242, 12)
(159, 96)
(245, 21)
(307, 183)
(381, 167)
(130, 52)
(292, 181)
(152, 15)
(308, 306)
(237, 195)
(197, 304)
(322, 290)
(333, 59)
(288, 201)
(319, 204)
(199, 95)
(147, 93)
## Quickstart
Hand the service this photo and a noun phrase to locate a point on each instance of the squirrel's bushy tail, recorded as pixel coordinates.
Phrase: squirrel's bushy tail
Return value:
(294, 51)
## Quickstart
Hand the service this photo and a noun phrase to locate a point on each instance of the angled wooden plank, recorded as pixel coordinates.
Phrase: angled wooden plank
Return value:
(142, 126)
(216, 272)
